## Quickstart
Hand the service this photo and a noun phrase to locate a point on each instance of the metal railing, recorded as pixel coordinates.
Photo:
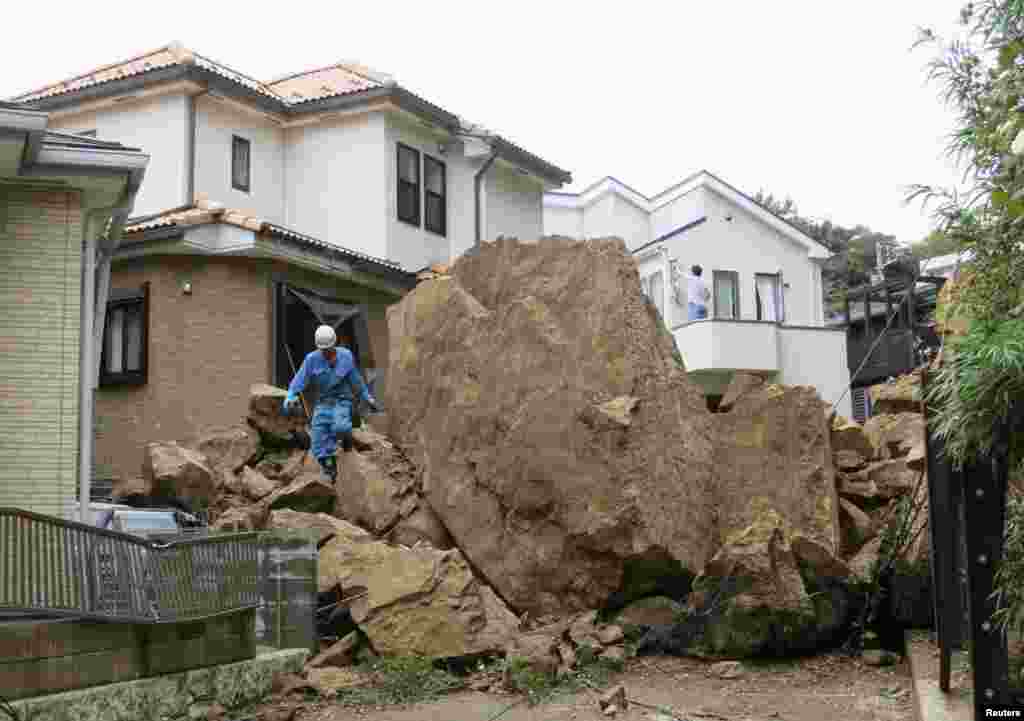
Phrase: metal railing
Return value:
(50, 566)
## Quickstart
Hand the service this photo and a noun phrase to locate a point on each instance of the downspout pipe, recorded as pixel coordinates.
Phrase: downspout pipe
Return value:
(477, 182)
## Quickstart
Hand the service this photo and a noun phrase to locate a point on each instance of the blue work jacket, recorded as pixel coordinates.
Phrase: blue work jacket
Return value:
(333, 383)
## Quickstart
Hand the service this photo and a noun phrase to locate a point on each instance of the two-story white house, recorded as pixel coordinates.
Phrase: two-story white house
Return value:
(766, 313)
(269, 207)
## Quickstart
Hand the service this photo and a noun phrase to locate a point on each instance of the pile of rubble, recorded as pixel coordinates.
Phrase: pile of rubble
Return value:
(545, 455)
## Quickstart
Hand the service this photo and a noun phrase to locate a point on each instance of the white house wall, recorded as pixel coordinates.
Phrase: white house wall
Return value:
(159, 127)
(336, 175)
(512, 205)
(628, 222)
(216, 123)
(817, 357)
(563, 221)
(748, 246)
(679, 212)
(416, 247)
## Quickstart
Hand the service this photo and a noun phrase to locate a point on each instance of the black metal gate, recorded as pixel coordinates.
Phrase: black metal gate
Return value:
(967, 518)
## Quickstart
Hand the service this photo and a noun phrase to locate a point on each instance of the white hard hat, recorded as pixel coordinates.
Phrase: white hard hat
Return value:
(325, 337)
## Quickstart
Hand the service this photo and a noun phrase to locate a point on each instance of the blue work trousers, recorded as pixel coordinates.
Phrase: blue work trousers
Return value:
(331, 419)
(696, 312)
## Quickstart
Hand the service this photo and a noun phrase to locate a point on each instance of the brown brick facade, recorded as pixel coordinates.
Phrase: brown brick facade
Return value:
(205, 350)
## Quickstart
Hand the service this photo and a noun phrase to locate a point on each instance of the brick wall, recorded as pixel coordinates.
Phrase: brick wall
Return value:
(205, 350)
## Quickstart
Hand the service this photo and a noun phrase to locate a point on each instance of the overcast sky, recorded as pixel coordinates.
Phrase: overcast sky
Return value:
(821, 100)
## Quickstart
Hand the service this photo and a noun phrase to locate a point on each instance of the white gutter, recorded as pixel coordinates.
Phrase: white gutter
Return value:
(87, 363)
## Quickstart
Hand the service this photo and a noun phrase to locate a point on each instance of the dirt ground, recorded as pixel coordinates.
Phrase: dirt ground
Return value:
(668, 689)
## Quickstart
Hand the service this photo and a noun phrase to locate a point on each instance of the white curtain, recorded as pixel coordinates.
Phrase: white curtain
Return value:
(115, 341)
(768, 296)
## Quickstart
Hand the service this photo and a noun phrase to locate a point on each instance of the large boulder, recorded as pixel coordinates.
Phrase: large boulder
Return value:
(265, 412)
(371, 486)
(241, 518)
(414, 601)
(773, 451)
(499, 385)
(849, 436)
(421, 525)
(173, 471)
(230, 448)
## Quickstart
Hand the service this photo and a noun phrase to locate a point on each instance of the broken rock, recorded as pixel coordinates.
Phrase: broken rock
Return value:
(651, 611)
(740, 384)
(177, 472)
(858, 528)
(492, 374)
(849, 435)
(265, 412)
(614, 697)
(421, 526)
(309, 495)
(241, 518)
(341, 653)
(901, 396)
(367, 495)
(418, 601)
(847, 460)
(895, 436)
(254, 484)
(323, 525)
(726, 669)
(229, 449)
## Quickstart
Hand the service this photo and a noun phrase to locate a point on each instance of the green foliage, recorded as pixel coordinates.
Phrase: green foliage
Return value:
(591, 672)
(401, 680)
(976, 386)
(1009, 580)
(933, 245)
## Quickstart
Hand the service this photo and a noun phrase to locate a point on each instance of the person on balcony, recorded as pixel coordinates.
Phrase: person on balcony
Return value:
(697, 294)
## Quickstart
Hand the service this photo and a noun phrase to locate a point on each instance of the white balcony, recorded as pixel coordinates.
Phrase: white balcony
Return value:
(729, 345)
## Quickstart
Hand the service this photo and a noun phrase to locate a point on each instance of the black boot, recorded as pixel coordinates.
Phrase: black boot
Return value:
(330, 466)
(346, 442)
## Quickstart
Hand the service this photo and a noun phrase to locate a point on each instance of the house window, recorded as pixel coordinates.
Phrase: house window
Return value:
(435, 217)
(123, 359)
(240, 163)
(766, 296)
(408, 185)
(727, 294)
(654, 288)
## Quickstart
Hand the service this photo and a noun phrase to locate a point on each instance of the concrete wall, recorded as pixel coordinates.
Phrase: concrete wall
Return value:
(512, 205)
(159, 127)
(216, 123)
(817, 357)
(205, 350)
(40, 294)
(336, 174)
(724, 345)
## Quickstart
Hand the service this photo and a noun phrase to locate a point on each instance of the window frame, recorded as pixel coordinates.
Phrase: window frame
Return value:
(427, 193)
(418, 185)
(236, 141)
(122, 299)
(777, 300)
(716, 276)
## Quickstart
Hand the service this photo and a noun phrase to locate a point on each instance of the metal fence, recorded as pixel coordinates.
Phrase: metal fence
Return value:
(50, 566)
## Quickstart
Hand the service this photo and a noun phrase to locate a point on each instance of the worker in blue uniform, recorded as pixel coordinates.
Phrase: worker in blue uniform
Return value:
(332, 369)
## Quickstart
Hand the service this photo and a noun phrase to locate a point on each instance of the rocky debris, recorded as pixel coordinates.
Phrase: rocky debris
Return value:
(613, 700)
(324, 525)
(584, 631)
(879, 657)
(615, 654)
(892, 478)
(865, 559)
(366, 495)
(903, 395)
(171, 470)
(306, 494)
(858, 528)
(567, 657)
(240, 518)
(895, 436)
(651, 611)
(846, 460)
(726, 669)
(265, 412)
(492, 372)
(229, 449)
(421, 525)
(616, 413)
(341, 653)
(850, 436)
(610, 635)
(419, 601)
(129, 487)
(539, 649)
(329, 681)
(254, 484)
(285, 684)
(857, 488)
(740, 384)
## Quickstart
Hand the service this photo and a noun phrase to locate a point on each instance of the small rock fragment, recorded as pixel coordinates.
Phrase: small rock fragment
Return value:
(613, 698)
(610, 635)
(726, 669)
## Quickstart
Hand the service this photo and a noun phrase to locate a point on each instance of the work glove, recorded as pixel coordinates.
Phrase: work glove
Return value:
(288, 405)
